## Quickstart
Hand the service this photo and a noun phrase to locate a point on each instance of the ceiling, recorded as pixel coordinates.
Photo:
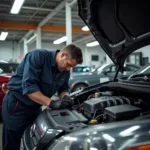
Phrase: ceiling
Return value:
(32, 13)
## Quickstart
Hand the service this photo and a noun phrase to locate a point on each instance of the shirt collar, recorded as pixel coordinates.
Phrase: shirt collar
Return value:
(53, 60)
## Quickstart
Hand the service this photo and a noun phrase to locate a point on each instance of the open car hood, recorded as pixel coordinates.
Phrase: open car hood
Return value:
(120, 26)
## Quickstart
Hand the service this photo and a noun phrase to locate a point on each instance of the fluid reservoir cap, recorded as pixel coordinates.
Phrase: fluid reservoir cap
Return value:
(93, 121)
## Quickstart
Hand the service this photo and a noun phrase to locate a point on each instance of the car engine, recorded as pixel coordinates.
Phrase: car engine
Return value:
(90, 108)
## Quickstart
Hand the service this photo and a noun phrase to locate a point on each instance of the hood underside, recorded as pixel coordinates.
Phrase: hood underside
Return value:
(120, 26)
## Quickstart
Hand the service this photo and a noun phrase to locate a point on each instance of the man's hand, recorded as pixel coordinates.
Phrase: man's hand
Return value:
(64, 103)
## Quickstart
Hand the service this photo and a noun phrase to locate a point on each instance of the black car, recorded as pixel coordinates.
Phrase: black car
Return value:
(101, 74)
(8, 67)
(114, 115)
(142, 72)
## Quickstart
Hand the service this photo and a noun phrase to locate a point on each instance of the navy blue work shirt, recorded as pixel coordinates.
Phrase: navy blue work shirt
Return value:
(38, 72)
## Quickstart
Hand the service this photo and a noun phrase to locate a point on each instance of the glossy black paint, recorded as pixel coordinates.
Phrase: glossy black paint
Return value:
(111, 136)
(120, 26)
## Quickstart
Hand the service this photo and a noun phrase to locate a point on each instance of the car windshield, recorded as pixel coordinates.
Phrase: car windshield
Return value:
(143, 70)
(82, 69)
(98, 70)
(8, 67)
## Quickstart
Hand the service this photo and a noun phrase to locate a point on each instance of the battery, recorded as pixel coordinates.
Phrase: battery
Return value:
(122, 112)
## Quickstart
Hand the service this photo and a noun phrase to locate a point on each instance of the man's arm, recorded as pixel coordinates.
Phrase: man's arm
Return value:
(62, 94)
(65, 88)
(39, 98)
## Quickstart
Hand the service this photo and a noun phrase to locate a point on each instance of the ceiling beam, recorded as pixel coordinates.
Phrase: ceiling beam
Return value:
(52, 14)
(34, 8)
(17, 26)
(49, 16)
(84, 39)
(73, 3)
(51, 28)
(63, 29)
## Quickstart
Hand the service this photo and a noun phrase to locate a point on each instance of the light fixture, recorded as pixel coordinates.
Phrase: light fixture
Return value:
(61, 40)
(3, 36)
(85, 28)
(16, 6)
(95, 43)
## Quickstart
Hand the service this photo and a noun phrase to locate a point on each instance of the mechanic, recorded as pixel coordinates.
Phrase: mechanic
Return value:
(39, 76)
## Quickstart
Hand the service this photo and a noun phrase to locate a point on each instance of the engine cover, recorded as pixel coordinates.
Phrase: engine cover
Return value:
(122, 112)
(51, 124)
(97, 105)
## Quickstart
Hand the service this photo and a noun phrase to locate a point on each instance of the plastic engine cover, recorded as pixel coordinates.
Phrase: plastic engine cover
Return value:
(99, 104)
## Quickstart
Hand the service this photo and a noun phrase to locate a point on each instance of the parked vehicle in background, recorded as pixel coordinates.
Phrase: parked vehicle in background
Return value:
(6, 71)
(8, 67)
(80, 70)
(143, 71)
(102, 74)
(3, 61)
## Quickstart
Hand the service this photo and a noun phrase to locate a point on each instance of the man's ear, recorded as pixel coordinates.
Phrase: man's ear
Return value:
(63, 54)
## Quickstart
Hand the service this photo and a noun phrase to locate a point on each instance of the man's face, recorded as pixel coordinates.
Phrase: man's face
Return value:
(65, 63)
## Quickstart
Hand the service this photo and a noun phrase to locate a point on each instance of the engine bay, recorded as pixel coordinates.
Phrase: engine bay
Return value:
(92, 106)
(98, 108)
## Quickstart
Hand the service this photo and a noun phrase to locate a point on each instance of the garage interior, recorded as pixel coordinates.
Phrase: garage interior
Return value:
(39, 23)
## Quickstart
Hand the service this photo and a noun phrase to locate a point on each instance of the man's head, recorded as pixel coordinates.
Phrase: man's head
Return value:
(68, 57)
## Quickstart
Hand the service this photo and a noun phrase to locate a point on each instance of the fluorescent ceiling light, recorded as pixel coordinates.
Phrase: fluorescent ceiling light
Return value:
(95, 43)
(85, 28)
(61, 40)
(3, 36)
(16, 6)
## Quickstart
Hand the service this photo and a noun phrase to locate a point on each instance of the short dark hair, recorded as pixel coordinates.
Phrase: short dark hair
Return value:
(75, 52)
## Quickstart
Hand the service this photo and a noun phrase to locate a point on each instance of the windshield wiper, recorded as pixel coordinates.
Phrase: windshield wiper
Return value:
(141, 77)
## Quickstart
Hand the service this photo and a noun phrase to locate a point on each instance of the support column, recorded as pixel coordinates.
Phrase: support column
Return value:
(86, 55)
(38, 38)
(25, 46)
(18, 52)
(68, 24)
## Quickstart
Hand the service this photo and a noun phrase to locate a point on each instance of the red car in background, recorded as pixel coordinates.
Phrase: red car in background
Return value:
(6, 71)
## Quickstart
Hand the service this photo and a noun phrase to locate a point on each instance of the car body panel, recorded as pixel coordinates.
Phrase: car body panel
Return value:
(118, 32)
(112, 136)
(4, 78)
(6, 71)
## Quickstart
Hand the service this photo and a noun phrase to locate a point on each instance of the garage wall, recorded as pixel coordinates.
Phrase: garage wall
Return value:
(89, 51)
(145, 51)
(50, 46)
(13, 51)
(97, 50)
(46, 45)
(8, 51)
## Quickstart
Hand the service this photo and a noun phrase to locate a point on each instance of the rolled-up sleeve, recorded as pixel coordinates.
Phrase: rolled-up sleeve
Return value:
(34, 62)
(65, 87)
